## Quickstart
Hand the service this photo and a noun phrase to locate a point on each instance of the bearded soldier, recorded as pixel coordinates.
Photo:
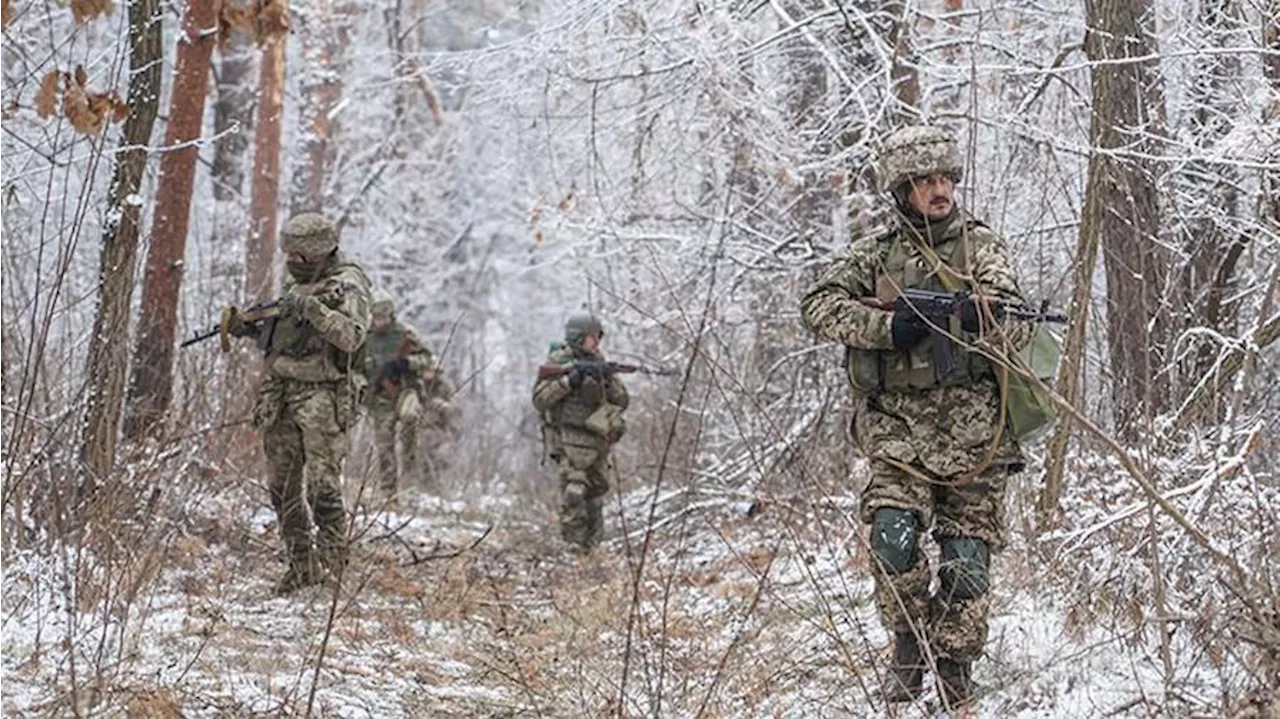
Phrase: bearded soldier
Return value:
(394, 363)
(310, 393)
(581, 412)
(935, 437)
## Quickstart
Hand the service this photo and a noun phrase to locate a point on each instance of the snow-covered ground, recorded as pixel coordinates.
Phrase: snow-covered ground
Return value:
(452, 609)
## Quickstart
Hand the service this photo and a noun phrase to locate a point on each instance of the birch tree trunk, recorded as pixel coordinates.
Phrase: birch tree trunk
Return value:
(260, 245)
(108, 356)
(151, 383)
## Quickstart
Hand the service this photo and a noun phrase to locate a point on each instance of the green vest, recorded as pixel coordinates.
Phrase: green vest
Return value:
(893, 370)
(382, 346)
(310, 357)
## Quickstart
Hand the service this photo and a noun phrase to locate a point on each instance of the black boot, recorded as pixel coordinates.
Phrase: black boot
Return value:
(905, 680)
(955, 682)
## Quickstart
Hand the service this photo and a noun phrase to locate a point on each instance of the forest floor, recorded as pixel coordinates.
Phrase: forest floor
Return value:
(475, 609)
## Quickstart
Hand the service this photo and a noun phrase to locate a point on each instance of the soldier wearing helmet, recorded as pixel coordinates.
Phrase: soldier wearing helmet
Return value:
(395, 359)
(581, 419)
(935, 436)
(310, 393)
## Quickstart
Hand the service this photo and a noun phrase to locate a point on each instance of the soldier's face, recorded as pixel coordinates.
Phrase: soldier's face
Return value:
(932, 196)
(591, 342)
(381, 322)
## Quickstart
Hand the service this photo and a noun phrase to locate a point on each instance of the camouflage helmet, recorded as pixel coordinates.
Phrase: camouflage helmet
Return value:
(578, 327)
(383, 306)
(309, 235)
(917, 151)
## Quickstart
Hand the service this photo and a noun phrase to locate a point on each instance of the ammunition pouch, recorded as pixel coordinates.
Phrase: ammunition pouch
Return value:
(607, 423)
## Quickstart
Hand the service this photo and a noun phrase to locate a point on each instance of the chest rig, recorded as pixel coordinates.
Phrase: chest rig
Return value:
(905, 262)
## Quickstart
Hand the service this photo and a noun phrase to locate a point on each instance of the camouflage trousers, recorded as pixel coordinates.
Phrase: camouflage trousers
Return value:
(392, 422)
(583, 486)
(955, 628)
(303, 427)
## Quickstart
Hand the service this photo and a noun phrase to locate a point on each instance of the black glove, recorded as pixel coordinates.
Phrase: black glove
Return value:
(908, 329)
(576, 376)
(395, 368)
(969, 316)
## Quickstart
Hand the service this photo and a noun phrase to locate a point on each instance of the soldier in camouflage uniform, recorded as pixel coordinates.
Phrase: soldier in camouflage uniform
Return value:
(394, 362)
(309, 397)
(581, 420)
(439, 420)
(939, 454)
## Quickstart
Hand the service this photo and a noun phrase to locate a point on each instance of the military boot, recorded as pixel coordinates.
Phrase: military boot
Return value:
(303, 571)
(905, 680)
(955, 682)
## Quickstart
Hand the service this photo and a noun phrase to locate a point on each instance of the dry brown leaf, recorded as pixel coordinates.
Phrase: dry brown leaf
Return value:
(85, 10)
(273, 19)
(88, 111)
(6, 13)
(47, 98)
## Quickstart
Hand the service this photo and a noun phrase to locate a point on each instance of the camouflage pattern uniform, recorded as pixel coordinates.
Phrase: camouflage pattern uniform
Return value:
(394, 361)
(925, 435)
(309, 398)
(578, 445)
(439, 420)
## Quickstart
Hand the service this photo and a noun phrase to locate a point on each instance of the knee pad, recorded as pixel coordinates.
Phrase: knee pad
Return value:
(964, 570)
(894, 534)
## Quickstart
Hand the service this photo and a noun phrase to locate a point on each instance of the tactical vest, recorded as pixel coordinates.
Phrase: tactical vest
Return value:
(298, 351)
(894, 370)
(573, 411)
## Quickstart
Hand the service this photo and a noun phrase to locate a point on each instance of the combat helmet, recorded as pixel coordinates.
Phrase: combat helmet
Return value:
(309, 235)
(917, 151)
(578, 327)
(383, 306)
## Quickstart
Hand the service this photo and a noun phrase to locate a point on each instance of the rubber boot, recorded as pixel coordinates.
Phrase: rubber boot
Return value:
(955, 682)
(905, 680)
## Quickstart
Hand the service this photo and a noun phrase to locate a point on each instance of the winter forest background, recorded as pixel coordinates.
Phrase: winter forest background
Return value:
(681, 168)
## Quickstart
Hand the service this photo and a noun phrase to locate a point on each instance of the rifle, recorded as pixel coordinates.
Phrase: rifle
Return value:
(262, 315)
(939, 307)
(599, 370)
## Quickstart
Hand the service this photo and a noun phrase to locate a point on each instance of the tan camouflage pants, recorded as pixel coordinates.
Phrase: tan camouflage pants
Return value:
(583, 485)
(956, 628)
(303, 428)
(391, 423)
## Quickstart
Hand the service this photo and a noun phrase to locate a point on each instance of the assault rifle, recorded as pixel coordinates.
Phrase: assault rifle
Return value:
(939, 307)
(387, 383)
(599, 370)
(263, 315)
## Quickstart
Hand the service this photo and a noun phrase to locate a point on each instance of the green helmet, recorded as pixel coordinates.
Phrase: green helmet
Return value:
(383, 306)
(917, 151)
(309, 235)
(578, 327)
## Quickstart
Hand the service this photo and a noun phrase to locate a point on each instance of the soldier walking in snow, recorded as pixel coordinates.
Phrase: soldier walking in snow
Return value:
(928, 415)
(394, 363)
(309, 398)
(580, 399)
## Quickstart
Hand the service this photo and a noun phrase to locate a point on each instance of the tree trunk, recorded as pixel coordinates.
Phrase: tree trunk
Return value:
(1127, 118)
(108, 357)
(232, 116)
(260, 245)
(325, 36)
(151, 384)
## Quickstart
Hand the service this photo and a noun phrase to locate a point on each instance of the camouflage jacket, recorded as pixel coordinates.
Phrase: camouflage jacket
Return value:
(395, 341)
(565, 411)
(325, 341)
(945, 428)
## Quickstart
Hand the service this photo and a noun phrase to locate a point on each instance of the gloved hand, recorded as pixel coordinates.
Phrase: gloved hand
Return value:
(395, 368)
(576, 377)
(236, 325)
(907, 329)
(970, 321)
(290, 305)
